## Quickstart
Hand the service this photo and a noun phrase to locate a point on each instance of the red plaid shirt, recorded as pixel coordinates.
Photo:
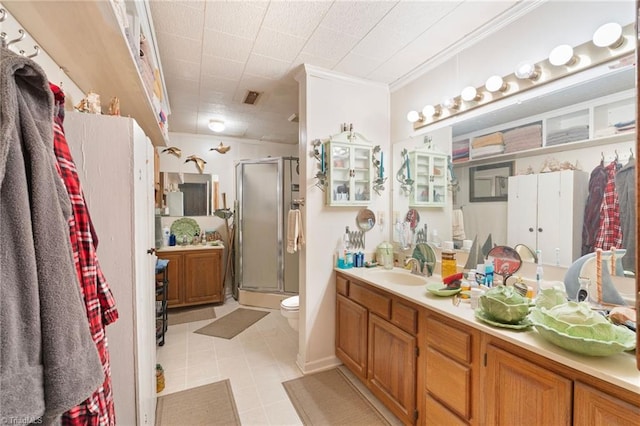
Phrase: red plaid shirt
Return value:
(101, 310)
(609, 231)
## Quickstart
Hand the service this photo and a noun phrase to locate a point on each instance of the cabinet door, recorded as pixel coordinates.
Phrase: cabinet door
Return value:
(392, 367)
(351, 335)
(518, 392)
(521, 212)
(349, 168)
(593, 407)
(430, 179)
(550, 214)
(202, 277)
(175, 270)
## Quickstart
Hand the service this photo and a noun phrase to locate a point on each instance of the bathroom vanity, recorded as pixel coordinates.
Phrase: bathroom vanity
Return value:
(431, 362)
(194, 274)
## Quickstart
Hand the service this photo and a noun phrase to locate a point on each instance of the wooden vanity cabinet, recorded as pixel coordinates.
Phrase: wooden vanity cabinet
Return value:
(195, 277)
(376, 338)
(520, 392)
(594, 407)
(452, 378)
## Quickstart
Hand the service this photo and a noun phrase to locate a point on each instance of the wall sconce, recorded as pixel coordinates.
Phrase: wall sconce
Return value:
(319, 155)
(495, 83)
(216, 125)
(609, 35)
(562, 55)
(470, 94)
(450, 103)
(527, 70)
(378, 182)
(431, 111)
(413, 116)
(404, 174)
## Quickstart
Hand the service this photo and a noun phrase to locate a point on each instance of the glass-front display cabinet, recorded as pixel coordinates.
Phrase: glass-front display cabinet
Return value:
(429, 179)
(349, 173)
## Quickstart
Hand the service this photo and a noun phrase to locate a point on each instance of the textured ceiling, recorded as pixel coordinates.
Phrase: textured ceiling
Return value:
(214, 52)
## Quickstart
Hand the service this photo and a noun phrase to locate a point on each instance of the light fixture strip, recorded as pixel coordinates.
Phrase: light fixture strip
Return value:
(589, 56)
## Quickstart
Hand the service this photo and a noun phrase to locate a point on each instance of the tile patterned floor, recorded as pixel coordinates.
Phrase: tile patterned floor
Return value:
(256, 361)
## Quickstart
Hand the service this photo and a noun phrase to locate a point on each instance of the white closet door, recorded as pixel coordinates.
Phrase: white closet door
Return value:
(522, 214)
(550, 215)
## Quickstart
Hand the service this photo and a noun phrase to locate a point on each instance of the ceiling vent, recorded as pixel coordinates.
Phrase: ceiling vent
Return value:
(251, 98)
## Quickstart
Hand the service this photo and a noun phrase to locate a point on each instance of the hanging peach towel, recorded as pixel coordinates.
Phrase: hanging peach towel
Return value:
(295, 237)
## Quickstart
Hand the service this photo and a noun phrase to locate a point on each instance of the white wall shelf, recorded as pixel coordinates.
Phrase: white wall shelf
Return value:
(599, 115)
(88, 41)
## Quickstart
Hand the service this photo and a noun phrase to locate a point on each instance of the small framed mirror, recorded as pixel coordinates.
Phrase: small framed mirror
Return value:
(489, 182)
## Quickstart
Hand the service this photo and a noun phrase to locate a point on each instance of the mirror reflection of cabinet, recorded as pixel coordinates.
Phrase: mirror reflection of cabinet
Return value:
(430, 179)
(349, 174)
(187, 194)
(545, 212)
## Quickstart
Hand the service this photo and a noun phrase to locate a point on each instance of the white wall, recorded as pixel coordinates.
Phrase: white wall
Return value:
(326, 100)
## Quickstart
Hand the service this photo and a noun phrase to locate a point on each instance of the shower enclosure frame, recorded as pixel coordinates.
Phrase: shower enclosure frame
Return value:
(249, 241)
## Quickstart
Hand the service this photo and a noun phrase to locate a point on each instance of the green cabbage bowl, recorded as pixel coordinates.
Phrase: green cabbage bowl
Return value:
(577, 328)
(504, 304)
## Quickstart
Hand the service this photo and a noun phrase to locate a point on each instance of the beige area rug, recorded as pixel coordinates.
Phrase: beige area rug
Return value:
(329, 398)
(232, 324)
(211, 404)
(190, 314)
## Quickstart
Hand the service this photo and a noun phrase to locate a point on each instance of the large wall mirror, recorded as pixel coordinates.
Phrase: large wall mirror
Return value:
(489, 182)
(188, 194)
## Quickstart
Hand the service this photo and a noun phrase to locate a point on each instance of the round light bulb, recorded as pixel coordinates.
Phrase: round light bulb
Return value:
(526, 70)
(562, 55)
(430, 111)
(495, 83)
(608, 35)
(450, 103)
(469, 94)
(413, 116)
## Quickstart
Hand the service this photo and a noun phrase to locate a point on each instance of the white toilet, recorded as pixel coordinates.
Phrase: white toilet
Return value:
(290, 308)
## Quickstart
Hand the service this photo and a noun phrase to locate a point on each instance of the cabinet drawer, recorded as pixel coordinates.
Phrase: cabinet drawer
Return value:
(449, 340)
(404, 317)
(375, 302)
(342, 285)
(437, 414)
(449, 382)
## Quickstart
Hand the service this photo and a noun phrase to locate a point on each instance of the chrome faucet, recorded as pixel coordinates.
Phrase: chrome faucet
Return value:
(416, 267)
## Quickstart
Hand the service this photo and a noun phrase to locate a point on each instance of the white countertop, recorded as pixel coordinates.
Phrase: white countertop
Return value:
(619, 369)
(190, 247)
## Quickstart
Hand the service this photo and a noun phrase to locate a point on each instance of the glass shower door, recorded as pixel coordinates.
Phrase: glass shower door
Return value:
(260, 239)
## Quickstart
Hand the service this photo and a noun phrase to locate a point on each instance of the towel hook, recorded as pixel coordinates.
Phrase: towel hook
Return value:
(36, 53)
(19, 38)
(616, 151)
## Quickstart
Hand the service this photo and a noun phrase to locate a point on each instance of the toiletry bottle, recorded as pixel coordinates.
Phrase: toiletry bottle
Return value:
(348, 253)
(488, 273)
(448, 260)
(539, 271)
(165, 236)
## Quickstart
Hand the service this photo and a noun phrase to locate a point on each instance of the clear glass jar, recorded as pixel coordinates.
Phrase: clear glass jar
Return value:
(384, 255)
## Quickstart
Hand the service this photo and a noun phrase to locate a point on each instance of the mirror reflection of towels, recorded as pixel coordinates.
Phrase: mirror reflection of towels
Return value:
(458, 225)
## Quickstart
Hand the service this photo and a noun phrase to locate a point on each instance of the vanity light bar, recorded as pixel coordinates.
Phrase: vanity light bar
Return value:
(562, 62)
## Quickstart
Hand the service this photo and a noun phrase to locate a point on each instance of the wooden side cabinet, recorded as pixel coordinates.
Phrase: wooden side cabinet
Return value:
(594, 407)
(195, 276)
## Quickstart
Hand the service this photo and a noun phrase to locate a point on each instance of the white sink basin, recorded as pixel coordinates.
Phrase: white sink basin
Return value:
(398, 276)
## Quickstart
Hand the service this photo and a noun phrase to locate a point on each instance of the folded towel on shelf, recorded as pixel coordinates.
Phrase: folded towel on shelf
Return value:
(488, 140)
(295, 237)
(458, 225)
(487, 150)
